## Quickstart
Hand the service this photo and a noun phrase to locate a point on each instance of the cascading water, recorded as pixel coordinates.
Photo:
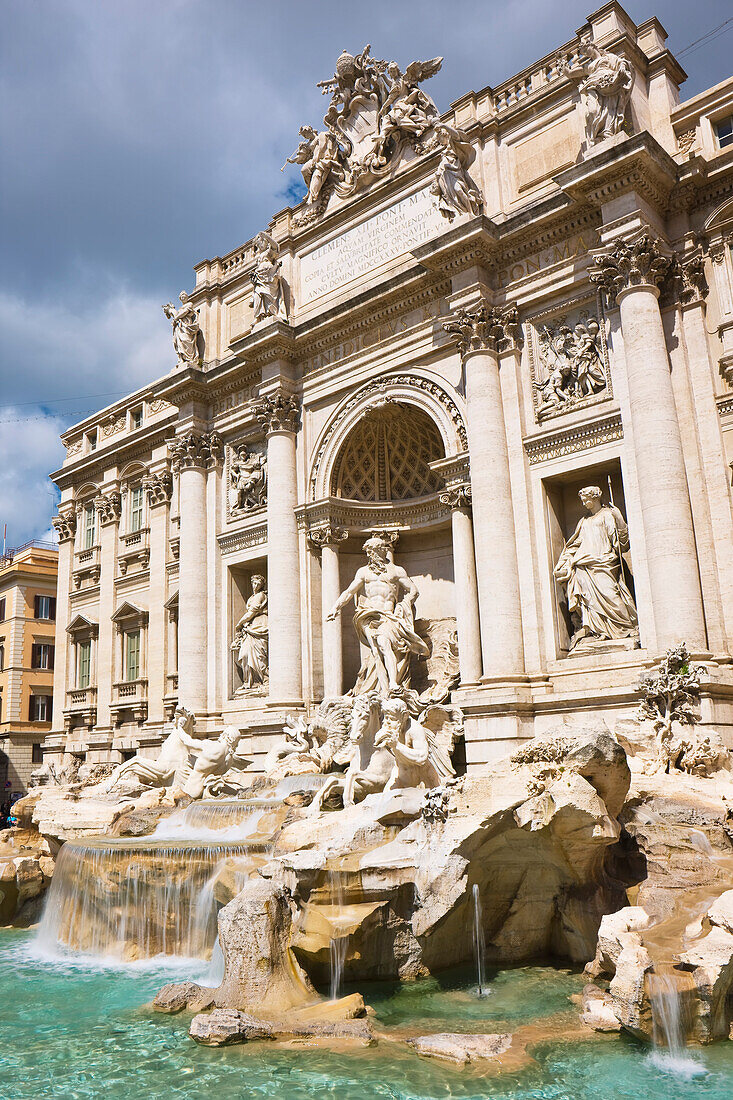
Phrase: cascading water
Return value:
(230, 820)
(338, 944)
(479, 943)
(135, 899)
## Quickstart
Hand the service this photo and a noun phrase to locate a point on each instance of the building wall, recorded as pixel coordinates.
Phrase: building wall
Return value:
(24, 575)
(550, 204)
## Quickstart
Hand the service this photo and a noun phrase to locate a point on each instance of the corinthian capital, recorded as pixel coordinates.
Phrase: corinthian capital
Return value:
(65, 526)
(688, 279)
(485, 328)
(195, 449)
(109, 507)
(456, 496)
(327, 535)
(159, 488)
(278, 412)
(642, 262)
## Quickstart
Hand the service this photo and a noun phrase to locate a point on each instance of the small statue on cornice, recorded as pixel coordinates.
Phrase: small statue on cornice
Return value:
(268, 288)
(186, 331)
(605, 87)
(248, 475)
(453, 187)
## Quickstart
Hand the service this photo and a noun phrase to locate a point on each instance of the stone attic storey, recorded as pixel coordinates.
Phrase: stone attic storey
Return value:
(496, 341)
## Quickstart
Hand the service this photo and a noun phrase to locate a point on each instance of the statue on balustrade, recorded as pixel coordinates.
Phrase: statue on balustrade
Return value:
(591, 567)
(453, 187)
(250, 638)
(268, 288)
(605, 90)
(384, 621)
(186, 330)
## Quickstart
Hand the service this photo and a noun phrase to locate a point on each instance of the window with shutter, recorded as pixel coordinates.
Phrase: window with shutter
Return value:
(85, 664)
(136, 508)
(132, 664)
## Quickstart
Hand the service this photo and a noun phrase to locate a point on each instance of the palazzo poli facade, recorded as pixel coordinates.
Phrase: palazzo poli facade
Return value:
(471, 317)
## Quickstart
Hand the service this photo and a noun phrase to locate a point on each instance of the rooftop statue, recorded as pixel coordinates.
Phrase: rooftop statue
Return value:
(605, 87)
(376, 113)
(186, 330)
(268, 290)
(384, 620)
(592, 569)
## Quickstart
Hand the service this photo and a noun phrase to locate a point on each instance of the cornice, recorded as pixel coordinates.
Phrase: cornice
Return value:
(79, 470)
(638, 163)
(570, 438)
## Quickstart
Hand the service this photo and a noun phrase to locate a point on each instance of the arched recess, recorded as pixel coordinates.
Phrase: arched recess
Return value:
(406, 390)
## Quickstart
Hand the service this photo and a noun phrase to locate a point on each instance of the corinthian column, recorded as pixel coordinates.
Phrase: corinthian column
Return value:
(458, 499)
(278, 415)
(327, 539)
(191, 456)
(481, 332)
(631, 273)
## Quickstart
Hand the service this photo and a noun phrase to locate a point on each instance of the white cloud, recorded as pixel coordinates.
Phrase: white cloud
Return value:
(29, 449)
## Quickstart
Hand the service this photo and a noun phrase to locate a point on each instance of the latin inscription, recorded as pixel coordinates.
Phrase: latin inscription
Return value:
(389, 234)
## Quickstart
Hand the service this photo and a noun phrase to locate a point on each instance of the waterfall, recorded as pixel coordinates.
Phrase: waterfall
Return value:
(339, 944)
(135, 899)
(669, 996)
(222, 821)
(479, 943)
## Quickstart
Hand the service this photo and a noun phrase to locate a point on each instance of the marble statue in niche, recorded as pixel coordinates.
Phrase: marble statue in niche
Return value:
(568, 358)
(186, 330)
(268, 288)
(605, 87)
(384, 620)
(248, 479)
(591, 568)
(250, 637)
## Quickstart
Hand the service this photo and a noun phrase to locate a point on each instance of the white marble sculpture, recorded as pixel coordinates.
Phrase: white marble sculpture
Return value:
(453, 187)
(250, 638)
(320, 159)
(591, 567)
(314, 746)
(407, 112)
(268, 289)
(186, 330)
(214, 758)
(248, 476)
(605, 87)
(384, 620)
(172, 765)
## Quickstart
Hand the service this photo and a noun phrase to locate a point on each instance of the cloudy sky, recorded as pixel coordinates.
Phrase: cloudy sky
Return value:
(141, 136)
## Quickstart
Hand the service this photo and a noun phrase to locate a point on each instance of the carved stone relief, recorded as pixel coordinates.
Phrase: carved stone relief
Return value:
(568, 360)
(246, 478)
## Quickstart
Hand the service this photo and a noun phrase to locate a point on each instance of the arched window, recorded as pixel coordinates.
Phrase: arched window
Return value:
(387, 455)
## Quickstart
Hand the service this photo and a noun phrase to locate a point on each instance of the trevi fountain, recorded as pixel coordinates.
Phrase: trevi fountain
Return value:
(416, 780)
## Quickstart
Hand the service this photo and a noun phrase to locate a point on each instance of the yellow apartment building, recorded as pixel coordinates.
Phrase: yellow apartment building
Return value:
(28, 577)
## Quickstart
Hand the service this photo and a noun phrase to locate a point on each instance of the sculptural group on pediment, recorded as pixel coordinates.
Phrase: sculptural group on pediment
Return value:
(376, 114)
(568, 361)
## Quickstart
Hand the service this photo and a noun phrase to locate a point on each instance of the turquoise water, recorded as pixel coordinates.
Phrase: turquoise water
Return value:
(71, 1032)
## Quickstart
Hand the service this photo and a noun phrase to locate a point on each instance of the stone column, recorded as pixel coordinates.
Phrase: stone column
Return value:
(458, 499)
(109, 510)
(278, 415)
(158, 489)
(191, 454)
(65, 526)
(327, 539)
(631, 274)
(481, 332)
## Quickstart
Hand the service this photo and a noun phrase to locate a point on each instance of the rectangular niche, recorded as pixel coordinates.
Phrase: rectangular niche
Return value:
(568, 359)
(240, 589)
(564, 510)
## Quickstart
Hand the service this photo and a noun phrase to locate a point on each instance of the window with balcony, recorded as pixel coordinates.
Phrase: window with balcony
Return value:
(136, 508)
(42, 655)
(44, 607)
(724, 131)
(84, 663)
(41, 708)
(90, 527)
(132, 655)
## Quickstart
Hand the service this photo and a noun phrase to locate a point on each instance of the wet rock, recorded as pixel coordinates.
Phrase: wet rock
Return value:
(598, 1010)
(225, 1026)
(593, 753)
(140, 822)
(461, 1048)
(180, 996)
(299, 798)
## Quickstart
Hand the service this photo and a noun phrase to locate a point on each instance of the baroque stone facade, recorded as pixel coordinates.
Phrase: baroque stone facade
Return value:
(497, 340)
